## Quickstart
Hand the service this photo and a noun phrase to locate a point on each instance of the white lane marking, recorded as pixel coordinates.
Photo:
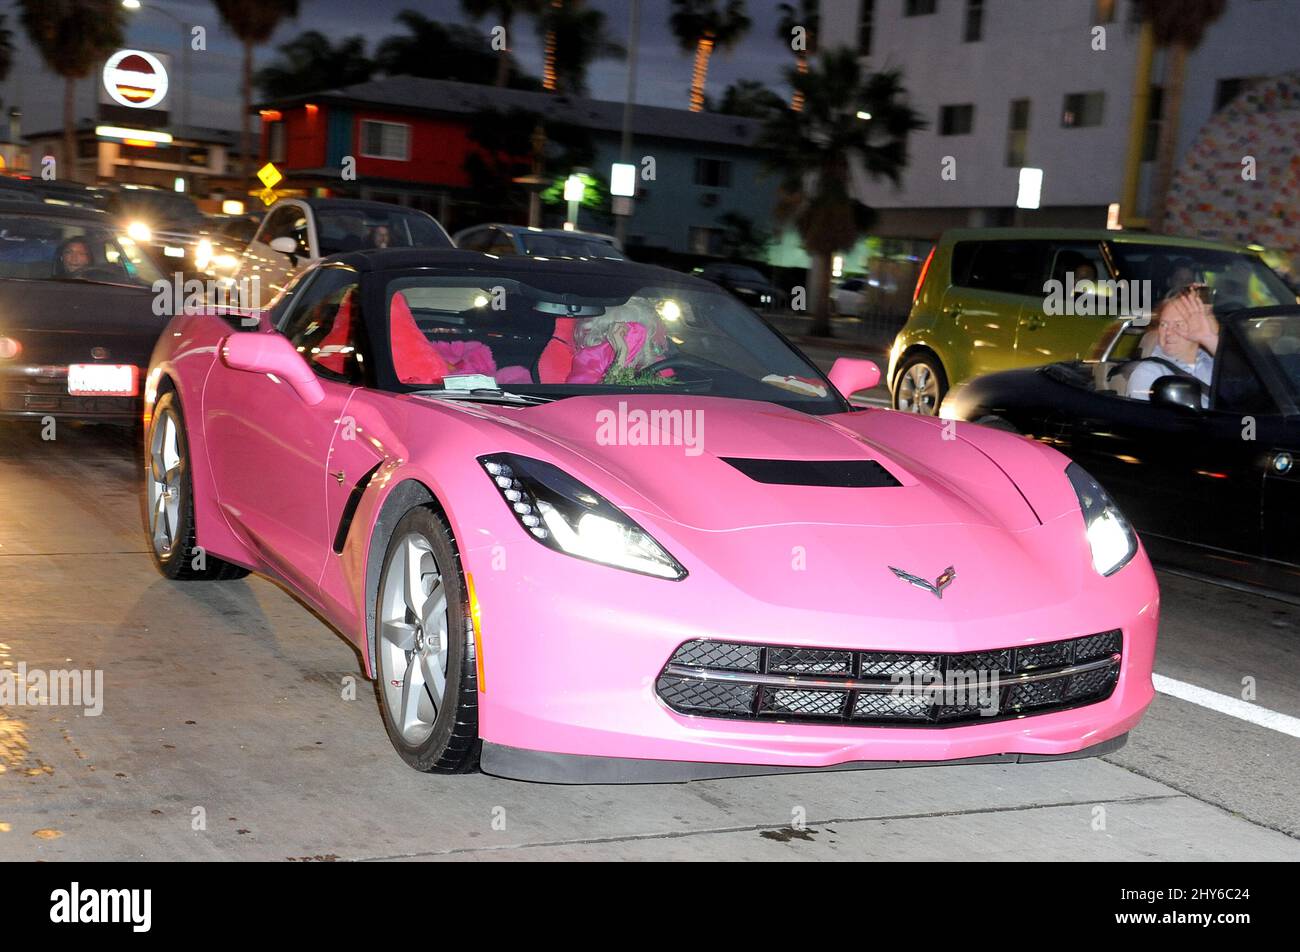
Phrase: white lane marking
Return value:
(1226, 704)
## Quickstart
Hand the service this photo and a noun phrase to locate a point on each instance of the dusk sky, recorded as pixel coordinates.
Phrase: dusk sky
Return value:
(663, 73)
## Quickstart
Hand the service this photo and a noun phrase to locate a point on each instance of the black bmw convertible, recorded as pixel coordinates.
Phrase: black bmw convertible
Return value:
(1214, 490)
(77, 315)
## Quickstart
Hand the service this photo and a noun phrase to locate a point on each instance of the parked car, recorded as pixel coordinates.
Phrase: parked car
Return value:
(504, 240)
(1215, 490)
(297, 232)
(747, 284)
(1001, 298)
(77, 321)
(856, 297)
(504, 500)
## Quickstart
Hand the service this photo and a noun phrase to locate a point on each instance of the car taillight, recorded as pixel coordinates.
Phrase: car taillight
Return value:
(9, 348)
(916, 292)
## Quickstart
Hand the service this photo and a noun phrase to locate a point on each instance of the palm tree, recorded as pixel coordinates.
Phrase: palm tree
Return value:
(749, 98)
(72, 37)
(310, 62)
(1179, 25)
(702, 26)
(6, 48)
(815, 150)
(253, 22)
(461, 54)
(573, 36)
(808, 16)
(504, 13)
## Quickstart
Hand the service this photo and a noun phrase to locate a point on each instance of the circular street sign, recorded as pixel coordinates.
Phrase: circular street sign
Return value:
(135, 78)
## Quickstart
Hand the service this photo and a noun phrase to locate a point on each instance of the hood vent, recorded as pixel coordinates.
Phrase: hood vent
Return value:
(842, 473)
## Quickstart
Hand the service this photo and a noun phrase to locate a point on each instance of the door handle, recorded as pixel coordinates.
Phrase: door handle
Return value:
(1034, 323)
(339, 476)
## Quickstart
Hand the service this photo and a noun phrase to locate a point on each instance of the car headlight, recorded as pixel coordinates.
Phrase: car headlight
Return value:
(1111, 538)
(563, 514)
(140, 232)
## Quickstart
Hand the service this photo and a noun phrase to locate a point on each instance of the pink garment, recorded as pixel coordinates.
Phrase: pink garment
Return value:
(590, 364)
(467, 356)
(515, 374)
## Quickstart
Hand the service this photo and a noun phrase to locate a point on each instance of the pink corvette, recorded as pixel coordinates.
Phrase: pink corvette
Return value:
(591, 521)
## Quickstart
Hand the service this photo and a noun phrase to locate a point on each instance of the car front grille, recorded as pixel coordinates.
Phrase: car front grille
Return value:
(880, 688)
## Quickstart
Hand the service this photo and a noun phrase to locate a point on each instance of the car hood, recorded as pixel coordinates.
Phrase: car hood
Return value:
(683, 459)
(953, 505)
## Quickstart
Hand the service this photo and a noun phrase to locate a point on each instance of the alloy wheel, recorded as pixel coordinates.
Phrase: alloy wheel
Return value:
(413, 638)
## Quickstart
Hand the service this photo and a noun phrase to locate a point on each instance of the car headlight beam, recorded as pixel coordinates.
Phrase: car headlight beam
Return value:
(567, 516)
(1110, 537)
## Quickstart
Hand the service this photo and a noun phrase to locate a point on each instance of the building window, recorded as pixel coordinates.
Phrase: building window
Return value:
(713, 173)
(704, 241)
(919, 8)
(974, 29)
(1104, 11)
(1018, 133)
(1082, 110)
(1226, 90)
(866, 26)
(956, 120)
(385, 140)
(1155, 120)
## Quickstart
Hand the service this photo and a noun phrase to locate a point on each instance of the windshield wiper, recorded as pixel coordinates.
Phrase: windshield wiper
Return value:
(485, 395)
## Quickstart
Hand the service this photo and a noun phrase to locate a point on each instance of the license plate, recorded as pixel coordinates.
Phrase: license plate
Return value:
(103, 380)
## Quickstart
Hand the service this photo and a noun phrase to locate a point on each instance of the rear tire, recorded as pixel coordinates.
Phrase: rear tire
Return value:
(921, 385)
(425, 666)
(169, 502)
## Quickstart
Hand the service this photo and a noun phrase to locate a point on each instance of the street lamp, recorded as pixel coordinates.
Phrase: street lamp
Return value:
(134, 5)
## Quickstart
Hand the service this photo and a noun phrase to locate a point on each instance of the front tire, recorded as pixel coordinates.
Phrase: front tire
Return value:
(921, 385)
(425, 665)
(169, 501)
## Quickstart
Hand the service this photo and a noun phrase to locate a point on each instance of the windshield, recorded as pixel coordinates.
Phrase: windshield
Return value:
(1238, 280)
(558, 334)
(1277, 338)
(563, 246)
(352, 229)
(43, 248)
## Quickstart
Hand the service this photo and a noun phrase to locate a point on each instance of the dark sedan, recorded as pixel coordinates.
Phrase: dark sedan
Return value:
(1214, 490)
(77, 315)
(745, 283)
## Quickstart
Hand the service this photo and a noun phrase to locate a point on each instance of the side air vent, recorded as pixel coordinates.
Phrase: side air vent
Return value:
(845, 473)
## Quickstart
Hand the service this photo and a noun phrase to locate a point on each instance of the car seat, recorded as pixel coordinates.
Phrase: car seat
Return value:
(415, 359)
(332, 353)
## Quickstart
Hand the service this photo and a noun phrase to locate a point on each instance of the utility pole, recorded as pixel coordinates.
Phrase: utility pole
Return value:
(625, 148)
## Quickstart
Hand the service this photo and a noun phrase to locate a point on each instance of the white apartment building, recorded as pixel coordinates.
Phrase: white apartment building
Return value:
(1006, 84)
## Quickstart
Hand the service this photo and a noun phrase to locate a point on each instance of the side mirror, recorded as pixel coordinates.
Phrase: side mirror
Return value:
(286, 246)
(272, 354)
(1175, 391)
(851, 374)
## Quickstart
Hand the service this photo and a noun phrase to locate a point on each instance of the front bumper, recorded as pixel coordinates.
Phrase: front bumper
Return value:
(572, 653)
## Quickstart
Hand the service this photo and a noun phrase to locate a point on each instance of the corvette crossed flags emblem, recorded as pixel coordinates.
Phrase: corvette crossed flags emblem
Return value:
(934, 588)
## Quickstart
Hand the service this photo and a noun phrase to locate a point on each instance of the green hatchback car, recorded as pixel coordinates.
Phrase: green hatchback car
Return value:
(995, 299)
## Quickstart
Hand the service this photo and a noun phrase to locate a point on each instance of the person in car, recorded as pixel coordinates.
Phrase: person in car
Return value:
(74, 258)
(381, 237)
(1187, 336)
